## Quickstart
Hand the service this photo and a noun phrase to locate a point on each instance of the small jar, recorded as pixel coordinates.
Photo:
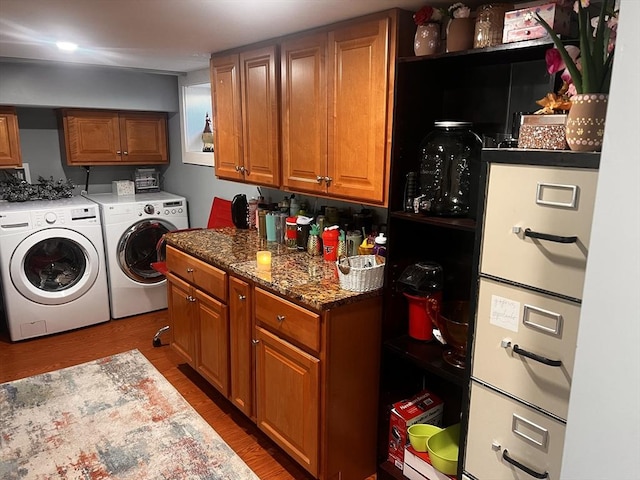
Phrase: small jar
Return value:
(291, 234)
(449, 170)
(490, 24)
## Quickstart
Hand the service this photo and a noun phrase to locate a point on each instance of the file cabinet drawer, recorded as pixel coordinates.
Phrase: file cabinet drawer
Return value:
(501, 428)
(511, 318)
(288, 319)
(524, 201)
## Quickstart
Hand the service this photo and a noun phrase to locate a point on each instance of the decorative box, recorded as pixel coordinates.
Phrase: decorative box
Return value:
(123, 187)
(522, 24)
(545, 132)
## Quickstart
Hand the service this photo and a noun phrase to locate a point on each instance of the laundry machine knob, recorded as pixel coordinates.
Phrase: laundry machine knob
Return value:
(148, 208)
(50, 218)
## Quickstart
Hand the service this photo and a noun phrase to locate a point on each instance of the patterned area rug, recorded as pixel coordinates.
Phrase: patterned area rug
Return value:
(113, 418)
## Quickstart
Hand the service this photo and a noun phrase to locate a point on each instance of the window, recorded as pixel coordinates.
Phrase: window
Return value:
(195, 103)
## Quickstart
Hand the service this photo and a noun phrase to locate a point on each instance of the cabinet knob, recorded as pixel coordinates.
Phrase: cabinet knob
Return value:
(241, 297)
(255, 342)
(319, 178)
(328, 180)
(190, 298)
(118, 152)
(189, 270)
(237, 168)
(126, 153)
(280, 318)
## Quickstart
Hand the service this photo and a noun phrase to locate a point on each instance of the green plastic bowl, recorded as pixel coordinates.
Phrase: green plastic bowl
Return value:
(443, 449)
(419, 433)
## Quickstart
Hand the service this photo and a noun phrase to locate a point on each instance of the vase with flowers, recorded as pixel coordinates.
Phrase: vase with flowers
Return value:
(586, 73)
(460, 29)
(427, 39)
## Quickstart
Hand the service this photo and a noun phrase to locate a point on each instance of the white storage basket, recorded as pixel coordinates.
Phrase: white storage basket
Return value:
(365, 274)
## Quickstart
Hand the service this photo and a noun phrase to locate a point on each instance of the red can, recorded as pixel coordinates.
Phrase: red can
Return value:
(330, 244)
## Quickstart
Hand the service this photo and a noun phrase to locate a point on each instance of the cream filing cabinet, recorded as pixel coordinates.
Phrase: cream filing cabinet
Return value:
(532, 262)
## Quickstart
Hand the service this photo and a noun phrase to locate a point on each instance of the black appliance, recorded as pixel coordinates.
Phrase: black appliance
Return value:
(240, 211)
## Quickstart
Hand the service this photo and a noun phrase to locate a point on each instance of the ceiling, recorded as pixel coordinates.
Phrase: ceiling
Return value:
(172, 36)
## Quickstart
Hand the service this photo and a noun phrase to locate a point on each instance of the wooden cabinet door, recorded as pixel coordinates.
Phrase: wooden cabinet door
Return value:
(304, 112)
(143, 138)
(212, 351)
(10, 155)
(288, 397)
(182, 325)
(227, 117)
(358, 93)
(260, 118)
(92, 137)
(240, 337)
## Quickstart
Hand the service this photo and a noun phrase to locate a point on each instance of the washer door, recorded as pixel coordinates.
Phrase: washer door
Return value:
(137, 250)
(54, 266)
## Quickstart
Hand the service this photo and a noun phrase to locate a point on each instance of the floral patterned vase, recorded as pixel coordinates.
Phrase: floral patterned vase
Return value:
(427, 40)
(460, 33)
(585, 122)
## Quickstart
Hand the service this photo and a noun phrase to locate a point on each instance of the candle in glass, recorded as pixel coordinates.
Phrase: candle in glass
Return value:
(263, 259)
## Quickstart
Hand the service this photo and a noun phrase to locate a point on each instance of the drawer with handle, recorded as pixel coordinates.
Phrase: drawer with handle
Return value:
(206, 277)
(288, 319)
(525, 344)
(537, 226)
(507, 440)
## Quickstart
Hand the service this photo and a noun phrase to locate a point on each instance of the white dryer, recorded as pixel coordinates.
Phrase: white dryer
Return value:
(132, 226)
(52, 266)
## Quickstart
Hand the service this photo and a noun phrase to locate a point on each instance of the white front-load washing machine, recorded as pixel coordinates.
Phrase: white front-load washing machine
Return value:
(132, 226)
(52, 266)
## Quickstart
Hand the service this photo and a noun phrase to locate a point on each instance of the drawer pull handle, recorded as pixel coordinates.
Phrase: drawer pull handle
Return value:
(280, 318)
(241, 297)
(255, 342)
(547, 236)
(190, 298)
(524, 468)
(189, 270)
(319, 179)
(531, 355)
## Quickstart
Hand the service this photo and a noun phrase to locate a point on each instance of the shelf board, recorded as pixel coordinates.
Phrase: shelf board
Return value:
(427, 355)
(467, 224)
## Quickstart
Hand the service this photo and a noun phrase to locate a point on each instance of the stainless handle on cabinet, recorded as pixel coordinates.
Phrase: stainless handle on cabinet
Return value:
(524, 468)
(190, 298)
(533, 356)
(319, 179)
(189, 270)
(241, 297)
(119, 152)
(328, 180)
(547, 236)
(255, 342)
(280, 318)
(126, 153)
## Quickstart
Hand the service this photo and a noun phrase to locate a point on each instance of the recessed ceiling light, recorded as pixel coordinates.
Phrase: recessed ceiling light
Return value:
(67, 46)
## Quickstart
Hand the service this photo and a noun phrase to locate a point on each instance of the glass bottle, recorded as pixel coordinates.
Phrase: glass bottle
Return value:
(449, 169)
(490, 24)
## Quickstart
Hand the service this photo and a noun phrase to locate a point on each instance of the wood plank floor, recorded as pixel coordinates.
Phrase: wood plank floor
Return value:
(44, 354)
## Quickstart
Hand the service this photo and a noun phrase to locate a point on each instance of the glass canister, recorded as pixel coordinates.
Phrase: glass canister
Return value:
(449, 169)
(490, 24)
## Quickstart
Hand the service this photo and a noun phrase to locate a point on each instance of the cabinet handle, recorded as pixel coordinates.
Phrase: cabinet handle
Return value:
(118, 152)
(255, 342)
(328, 180)
(547, 236)
(189, 270)
(531, 355)
(524, 468)
(241, 297)
(244, 170)
(319, 179)
(190, 298)
(280, 318)
(126, 153)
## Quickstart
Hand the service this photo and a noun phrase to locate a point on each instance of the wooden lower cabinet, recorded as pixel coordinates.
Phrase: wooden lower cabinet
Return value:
(240, 345)
(288, 396)
(182, 324)
(212, 341)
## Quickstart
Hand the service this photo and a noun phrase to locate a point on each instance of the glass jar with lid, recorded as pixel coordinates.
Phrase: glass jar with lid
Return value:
(449, 169)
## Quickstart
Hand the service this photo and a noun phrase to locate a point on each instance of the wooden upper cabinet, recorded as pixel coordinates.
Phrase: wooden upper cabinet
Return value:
(304, 112)
(246, 116)
(336, 110)
(103, 137)
(10, 155)
(358, 93)
(227, 116)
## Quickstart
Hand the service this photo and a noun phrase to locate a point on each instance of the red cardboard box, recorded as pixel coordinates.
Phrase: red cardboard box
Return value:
(522, 24)
(417, 466)
(424, 407)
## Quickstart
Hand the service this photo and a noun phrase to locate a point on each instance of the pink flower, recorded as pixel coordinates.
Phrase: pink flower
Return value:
(554, 59)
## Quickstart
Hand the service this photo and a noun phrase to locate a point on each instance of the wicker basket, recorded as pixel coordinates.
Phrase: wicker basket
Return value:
(365, 274)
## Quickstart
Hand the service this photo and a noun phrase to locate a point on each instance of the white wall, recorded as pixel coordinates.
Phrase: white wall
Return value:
(603, 429)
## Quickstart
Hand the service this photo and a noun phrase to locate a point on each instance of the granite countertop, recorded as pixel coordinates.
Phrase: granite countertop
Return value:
(295, 275)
